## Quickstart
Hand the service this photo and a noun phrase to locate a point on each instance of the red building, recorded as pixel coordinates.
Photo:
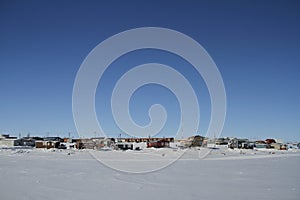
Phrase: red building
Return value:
(158, 143)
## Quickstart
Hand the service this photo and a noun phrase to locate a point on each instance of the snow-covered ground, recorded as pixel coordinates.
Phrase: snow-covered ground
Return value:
(222, 174)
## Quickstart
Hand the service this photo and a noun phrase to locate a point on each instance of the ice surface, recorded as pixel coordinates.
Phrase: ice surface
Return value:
(223, 174)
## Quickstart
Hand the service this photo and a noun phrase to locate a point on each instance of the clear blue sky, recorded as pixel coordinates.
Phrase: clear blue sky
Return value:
(255, 44)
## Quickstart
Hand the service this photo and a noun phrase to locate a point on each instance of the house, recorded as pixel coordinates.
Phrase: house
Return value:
(292, 145)
(67, 145)
(141, 143)
(270, 141)
(78, 143)
(7, 141)
(95, 143)
(260, 144)
(149, 139)
(158, 143)
(47, 144)
(278, 146)
(222, 141)
(28, 141)
(239, 143)
(131, 145)
(88, 143)
(195, 141)
(275, 146)
(125, 146)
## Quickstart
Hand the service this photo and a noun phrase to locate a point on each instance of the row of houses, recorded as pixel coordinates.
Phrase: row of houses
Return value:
(243, 143)
(101, 143)
(38, 142)
(85, 143)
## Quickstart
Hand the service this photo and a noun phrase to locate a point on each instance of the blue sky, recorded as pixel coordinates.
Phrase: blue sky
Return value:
(255, 45)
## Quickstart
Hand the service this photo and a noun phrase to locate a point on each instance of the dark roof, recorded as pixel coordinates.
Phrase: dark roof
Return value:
(52, 139)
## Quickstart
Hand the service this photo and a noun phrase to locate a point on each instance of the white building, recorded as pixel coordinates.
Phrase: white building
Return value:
(6, 141)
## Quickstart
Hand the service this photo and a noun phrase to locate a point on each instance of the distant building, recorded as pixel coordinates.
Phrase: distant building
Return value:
(270, 141)
(239, 143)
(222, 141)
(7, 141)
(95, 143)
(149, 139)
(47, 144)
(196, 141)
(158, 143)
(278, 146)
(193, 141)
(141, 143)
(26, 142)
(125, 146)
(260, 146)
